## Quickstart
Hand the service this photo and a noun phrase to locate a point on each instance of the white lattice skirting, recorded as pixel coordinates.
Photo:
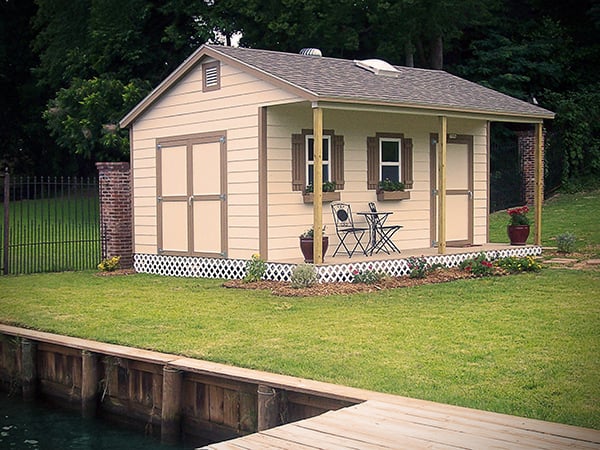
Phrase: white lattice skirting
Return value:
(192, 266)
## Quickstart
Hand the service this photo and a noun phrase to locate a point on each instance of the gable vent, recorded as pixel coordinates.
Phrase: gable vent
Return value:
(378, 67)
(212, 76)
(311, 52)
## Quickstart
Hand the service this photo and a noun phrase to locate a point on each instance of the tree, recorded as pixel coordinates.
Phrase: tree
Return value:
(101, 64)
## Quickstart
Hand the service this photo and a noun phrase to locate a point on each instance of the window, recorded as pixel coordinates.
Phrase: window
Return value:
(389, 155)
(303, 159)
(310, 158)
(211, 76)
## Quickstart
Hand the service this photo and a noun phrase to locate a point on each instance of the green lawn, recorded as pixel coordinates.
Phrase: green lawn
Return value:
(574, 213)
(526, 344)
(54, 234)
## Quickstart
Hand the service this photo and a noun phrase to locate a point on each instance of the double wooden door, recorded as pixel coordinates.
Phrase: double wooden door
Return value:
(192, 195)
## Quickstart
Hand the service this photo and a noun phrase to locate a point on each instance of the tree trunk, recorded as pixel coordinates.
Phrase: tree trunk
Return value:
(409, 54)
(437, 53)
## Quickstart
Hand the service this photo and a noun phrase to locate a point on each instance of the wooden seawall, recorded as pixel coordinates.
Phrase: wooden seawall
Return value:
(180, 399)
(199, 402)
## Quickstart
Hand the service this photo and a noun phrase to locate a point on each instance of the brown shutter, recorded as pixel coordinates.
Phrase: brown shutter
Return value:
(407, 163)
(298, 163)
(337, 162)
(372, 163)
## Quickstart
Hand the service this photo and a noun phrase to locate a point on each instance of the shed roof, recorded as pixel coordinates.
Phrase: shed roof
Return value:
(316, 78)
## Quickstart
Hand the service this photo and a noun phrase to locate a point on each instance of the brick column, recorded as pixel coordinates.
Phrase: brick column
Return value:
(527, 156)
(115, 211)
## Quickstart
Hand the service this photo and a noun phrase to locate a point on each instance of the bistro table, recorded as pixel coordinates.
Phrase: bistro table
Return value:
(379, 234)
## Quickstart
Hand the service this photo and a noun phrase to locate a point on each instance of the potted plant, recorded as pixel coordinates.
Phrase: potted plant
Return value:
(329, 194)
(518, 225)
(307, 242)
(391, 190)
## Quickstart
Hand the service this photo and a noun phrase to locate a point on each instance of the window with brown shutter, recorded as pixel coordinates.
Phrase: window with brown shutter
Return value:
(389, 155)
(301, 165)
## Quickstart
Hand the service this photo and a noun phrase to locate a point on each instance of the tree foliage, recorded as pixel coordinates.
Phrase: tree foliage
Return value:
(71, 69)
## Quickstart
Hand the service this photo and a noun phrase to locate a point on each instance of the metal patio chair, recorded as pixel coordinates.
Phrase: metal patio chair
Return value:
(344, 227)
(384, 233)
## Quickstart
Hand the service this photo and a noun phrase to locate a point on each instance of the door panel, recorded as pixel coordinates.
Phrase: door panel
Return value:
(173, 162)
(175, 226)
(207, 220)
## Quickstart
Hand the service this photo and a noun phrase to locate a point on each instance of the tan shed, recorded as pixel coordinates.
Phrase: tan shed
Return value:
(223, 149)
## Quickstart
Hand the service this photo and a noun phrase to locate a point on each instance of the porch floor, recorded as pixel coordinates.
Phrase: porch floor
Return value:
(357, 257)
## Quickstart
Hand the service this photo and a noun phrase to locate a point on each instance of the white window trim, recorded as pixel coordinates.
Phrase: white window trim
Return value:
(389, 163)
(312, 163)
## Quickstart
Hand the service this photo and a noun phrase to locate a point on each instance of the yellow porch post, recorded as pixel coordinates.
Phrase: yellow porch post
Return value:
(442, 150)
(318, 185)
(539, 182)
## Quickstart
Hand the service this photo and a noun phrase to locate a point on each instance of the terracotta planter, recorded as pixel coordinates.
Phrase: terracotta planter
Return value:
(306, 245)
(518, 234)
(392, 195)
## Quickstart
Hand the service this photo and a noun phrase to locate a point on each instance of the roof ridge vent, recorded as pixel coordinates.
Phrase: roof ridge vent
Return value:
(378, 67)
(311, 51)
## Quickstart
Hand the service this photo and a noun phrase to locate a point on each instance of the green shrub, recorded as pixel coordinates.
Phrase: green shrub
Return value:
(478, 266)
(515, 264)
(368, 276)
(109, 264)
(418, 267)
(303, 275)
(565, 242)
(255, 269)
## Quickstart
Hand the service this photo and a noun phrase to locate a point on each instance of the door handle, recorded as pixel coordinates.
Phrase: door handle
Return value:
(190, 199)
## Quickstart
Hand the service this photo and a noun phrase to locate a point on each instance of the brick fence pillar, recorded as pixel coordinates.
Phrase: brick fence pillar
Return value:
(115, 211)
(527, 155)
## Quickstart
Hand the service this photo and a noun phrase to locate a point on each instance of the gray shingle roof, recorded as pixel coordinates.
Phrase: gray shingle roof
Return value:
(340, 79)
(333, 79)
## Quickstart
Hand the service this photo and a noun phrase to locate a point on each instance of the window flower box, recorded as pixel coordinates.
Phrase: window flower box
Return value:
(392, 195)
(327, 197)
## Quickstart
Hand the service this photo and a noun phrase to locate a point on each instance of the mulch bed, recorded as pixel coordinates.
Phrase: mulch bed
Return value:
(115, 273)
(284, 289)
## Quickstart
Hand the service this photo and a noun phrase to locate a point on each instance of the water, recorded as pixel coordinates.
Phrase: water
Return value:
(35, 426)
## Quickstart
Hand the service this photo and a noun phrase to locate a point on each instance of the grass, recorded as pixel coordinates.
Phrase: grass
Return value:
(575, 213)
(526, 345)
(54, 234)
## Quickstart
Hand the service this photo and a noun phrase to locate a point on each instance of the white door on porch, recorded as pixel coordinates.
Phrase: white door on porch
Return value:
(459, 191)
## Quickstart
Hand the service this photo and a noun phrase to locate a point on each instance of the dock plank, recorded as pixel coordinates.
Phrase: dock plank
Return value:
(378, 425)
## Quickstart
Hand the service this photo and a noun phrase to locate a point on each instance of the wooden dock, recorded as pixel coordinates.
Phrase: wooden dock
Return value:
(400, 423)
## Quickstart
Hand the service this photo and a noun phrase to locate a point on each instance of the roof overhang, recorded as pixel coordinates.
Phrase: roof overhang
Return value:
(424, 110)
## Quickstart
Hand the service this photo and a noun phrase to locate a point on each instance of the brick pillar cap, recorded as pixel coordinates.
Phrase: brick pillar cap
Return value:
(112, 166)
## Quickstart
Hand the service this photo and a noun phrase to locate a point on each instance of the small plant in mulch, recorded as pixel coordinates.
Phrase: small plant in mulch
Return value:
(303, 276)
(368, 276)
(478, 266)
(255, 269)
(420, 267)
(109, 264)
(513, 264)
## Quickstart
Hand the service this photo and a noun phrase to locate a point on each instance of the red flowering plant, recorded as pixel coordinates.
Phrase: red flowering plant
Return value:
(518, 216)
(478, 266)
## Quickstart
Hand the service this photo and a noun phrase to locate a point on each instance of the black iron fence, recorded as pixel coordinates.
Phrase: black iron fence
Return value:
(49, 224)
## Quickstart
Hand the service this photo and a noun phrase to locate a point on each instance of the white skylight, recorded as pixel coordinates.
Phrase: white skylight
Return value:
(378, 67)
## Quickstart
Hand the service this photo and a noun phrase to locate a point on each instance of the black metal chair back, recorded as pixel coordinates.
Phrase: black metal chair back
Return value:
(344, 227)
